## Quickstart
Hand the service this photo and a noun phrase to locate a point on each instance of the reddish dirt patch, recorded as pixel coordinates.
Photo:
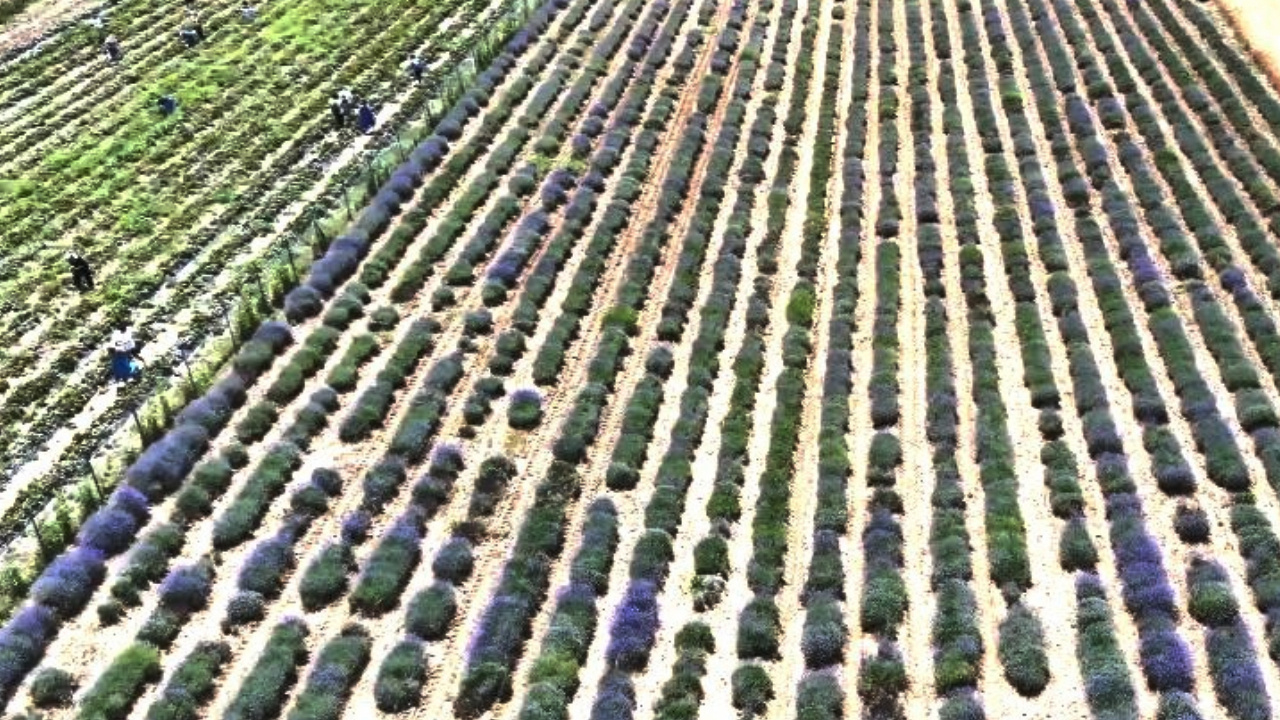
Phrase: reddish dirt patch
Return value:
(1254, 21)
(31, 24)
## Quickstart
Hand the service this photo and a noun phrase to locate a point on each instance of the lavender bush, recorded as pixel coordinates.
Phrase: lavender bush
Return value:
(66, 585)
(186, 589)
(635, 626)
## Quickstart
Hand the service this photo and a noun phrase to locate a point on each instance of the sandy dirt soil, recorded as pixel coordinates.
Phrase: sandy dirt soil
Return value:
(858, 439)
(1255, 21)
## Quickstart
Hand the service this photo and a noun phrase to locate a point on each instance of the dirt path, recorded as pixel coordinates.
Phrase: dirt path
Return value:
(861, 430)
(915, 479)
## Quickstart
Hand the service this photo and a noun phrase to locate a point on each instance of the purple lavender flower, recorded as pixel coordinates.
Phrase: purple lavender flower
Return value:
(69, 581)
(111, 530)
(186, 589)
(635, 625)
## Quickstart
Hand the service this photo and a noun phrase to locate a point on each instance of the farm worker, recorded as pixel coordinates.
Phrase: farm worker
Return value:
(339, 115)
(111, 46)
(81, 273)
(365, 119)
(168, 105)
(346, 98)
(189, 37)
(122, 349)
(416, 67)
(248, 12)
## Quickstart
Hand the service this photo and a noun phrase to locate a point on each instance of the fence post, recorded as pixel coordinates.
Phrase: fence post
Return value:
(35, 530)
(93, 475)
(262, 290)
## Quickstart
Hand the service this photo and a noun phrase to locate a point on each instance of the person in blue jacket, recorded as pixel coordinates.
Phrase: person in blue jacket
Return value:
(365, 119)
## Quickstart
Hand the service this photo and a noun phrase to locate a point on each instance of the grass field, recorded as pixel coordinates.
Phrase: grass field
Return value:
(710, 358)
